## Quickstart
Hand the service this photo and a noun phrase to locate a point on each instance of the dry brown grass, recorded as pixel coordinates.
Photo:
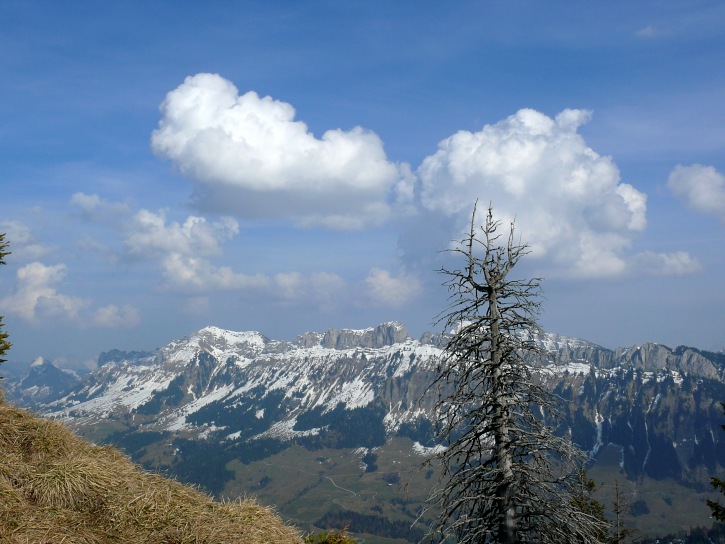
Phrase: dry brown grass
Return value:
(56, 488)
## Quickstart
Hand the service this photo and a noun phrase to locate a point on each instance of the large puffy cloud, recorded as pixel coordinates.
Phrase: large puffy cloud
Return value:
(568, 201)
(251, 157)
(701, 188)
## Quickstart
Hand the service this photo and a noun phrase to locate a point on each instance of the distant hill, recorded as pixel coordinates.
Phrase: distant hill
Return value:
(219, 408)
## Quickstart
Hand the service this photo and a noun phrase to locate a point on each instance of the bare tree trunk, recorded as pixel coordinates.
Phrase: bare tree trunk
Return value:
(621, 532)
(502, 443)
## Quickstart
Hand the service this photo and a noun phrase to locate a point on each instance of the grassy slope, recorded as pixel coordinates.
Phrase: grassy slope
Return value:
(672, 506)
(307, 484)
(329, 479)
(55, 487)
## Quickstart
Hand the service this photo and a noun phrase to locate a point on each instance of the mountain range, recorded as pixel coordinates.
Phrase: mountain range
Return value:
(348, 414)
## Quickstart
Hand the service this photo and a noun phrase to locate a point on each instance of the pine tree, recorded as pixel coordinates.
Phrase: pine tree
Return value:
(506, 477)
(4, 344)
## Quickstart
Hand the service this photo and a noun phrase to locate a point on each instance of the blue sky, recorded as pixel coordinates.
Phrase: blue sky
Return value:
(295, 166)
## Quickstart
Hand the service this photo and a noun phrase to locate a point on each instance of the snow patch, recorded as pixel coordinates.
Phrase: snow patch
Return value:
(284, 430)
(425, 451)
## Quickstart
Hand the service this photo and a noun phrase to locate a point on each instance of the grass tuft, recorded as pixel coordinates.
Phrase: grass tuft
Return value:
(54, 487)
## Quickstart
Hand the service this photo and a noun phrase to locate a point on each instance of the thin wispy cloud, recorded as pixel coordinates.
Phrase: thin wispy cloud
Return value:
(148, 234)
(648, 31)
(385, 289)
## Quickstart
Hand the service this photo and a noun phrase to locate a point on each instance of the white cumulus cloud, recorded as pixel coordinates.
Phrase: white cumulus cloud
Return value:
(36, 294)
(149, 234)
(567, 200)
(701, 188)
(250, 157)
(184, 249)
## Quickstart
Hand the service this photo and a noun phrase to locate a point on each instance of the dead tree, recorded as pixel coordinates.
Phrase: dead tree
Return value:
(506, 477)
(620, 532)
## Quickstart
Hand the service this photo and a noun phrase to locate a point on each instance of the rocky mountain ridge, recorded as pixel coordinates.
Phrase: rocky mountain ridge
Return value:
(245, 386)
(217, 399)
(653, 408)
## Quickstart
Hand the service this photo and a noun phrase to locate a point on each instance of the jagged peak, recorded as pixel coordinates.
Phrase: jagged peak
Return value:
(41, 365)
(39, 361)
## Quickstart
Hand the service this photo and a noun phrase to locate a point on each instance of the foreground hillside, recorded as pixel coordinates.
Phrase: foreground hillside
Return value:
(54, 487)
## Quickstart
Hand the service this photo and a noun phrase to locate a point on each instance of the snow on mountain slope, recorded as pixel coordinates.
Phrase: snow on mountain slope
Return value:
(231, 370)
(224, 366)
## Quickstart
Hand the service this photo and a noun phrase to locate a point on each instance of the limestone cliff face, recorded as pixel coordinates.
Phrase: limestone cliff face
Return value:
(383, 335)
(656, 357)
(649, 357)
